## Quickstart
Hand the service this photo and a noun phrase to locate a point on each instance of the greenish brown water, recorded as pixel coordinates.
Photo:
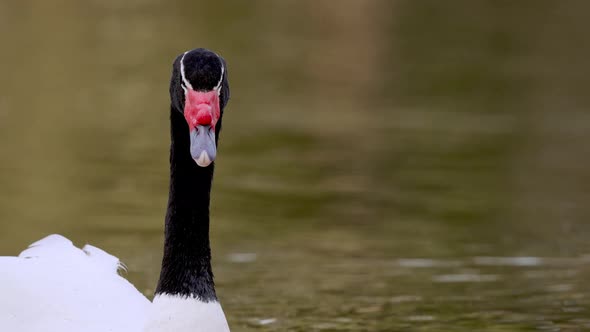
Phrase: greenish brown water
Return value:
(384, 165)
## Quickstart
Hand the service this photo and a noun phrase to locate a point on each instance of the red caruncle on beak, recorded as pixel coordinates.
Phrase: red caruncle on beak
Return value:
(201, 108)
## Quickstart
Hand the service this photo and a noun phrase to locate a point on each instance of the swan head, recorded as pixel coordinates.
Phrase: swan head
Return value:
(200, 90)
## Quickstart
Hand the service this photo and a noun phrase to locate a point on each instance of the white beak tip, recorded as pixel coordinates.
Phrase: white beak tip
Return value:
(203, 159)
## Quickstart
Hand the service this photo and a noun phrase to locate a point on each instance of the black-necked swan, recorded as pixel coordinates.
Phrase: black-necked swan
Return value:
(54, 286)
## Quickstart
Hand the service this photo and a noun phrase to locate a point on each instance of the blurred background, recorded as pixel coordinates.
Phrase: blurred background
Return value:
(388, 165)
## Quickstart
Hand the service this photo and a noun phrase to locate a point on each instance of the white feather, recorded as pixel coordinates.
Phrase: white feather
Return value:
(185, 314)
(187, 84)
(54, 286)
(218, 86)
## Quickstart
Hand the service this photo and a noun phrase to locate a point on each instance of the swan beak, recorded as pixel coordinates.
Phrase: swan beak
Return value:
(203, 149)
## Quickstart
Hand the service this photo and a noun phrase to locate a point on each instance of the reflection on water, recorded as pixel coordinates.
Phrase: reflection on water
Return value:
(384, 165)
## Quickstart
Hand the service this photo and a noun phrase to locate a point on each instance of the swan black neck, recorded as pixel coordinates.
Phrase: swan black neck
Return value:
(186, 265)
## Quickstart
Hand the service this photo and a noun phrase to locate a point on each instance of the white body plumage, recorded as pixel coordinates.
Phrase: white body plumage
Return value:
(55, 286)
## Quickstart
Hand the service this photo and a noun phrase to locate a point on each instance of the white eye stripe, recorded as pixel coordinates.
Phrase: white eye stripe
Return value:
(218, 86)
(187, 84)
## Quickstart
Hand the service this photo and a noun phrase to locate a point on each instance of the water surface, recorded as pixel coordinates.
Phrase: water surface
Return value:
(384, 165)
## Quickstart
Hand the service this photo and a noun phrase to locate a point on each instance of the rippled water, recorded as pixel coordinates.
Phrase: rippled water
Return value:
(384, 165)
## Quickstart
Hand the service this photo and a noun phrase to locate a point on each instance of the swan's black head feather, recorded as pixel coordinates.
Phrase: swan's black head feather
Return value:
(202, 69)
